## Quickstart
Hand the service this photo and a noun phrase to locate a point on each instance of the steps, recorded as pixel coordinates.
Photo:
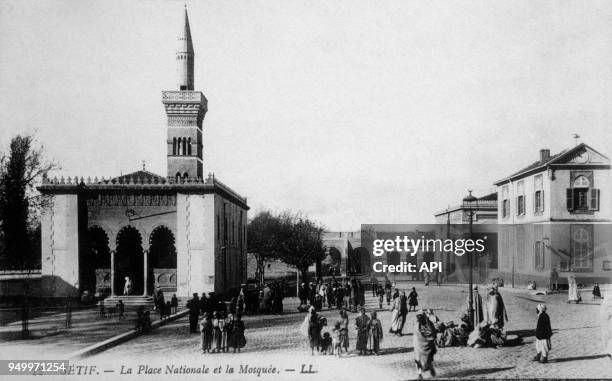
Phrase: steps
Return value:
(130, 301)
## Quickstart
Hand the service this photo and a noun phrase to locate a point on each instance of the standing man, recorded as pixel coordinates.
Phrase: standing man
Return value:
(388, 290)
(543, 335)
(194, 312)
(374, 284)
(554, 280)
(303, 294)
(403, 311)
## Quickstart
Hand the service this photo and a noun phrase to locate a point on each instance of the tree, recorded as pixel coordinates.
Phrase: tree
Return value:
(20, 204)
(263, 240)
(301, 242)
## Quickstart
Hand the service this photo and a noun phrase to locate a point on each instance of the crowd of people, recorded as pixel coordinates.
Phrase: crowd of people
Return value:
(221, 327)
(336, 340)
(164, 308)
(428, 331)
(348, 294)
(270, 299)
(481, 322)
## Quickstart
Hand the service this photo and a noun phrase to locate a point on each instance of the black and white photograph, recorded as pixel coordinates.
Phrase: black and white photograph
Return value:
(305, 190)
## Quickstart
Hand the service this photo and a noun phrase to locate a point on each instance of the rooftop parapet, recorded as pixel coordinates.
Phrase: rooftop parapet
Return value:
(139, 180)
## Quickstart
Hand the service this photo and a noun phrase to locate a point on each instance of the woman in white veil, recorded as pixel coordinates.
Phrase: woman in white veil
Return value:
(573, 295)
(305, 322)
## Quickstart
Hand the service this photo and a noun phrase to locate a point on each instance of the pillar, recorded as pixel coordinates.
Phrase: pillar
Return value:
(112, 274)
(60, 245)
(146, 271)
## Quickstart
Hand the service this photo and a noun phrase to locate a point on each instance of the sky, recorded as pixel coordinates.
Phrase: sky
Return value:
(347, 111)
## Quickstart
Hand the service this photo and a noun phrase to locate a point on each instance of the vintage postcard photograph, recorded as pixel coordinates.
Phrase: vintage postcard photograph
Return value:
(305, 190)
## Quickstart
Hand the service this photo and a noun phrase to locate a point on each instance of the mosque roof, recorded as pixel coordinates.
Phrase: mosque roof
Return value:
(141, 181)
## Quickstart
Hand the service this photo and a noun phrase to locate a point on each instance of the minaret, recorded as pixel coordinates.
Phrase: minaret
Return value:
(185, 109)
(184, 57)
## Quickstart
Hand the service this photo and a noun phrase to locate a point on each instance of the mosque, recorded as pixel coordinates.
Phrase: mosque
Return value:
(182, 232)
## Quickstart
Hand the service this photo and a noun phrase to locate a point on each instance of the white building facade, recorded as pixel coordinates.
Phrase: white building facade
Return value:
(555, 216)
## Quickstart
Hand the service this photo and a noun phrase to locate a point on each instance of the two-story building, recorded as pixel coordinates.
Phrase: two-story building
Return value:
(555, 214)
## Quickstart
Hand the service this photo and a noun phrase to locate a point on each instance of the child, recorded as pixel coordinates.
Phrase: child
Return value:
(224, 326)
(206, 333)
(168, 310)
(217, 333)
(236, 334)
(336, 343)
(380, 293)
(174, 303)
(326, 344)
(376, 333)
(596, 292)
(543, 335)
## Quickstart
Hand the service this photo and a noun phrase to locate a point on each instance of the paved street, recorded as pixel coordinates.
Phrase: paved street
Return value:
(49, 337)
(271, 339)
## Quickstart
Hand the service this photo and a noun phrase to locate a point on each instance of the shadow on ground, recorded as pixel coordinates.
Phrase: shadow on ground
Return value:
(475, 372)
(578, 358)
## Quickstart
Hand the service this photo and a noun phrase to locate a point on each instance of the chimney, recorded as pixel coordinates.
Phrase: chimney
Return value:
(544, 155)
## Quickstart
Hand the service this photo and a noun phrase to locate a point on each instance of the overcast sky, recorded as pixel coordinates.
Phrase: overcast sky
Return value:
(349, 111)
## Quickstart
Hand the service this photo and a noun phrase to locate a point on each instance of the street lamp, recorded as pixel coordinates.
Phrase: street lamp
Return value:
(470, 203)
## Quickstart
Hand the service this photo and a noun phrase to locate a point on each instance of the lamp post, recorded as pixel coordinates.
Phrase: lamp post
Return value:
(470, 203)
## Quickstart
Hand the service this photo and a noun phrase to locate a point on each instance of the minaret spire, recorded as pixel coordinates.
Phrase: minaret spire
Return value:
(185, 56)
(185, 109)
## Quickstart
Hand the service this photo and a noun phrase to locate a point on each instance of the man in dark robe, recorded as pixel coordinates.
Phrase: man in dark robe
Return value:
(543, 334)
(194, 312)
(403, 311)
(303, 294)
(211, 303)
(362, 324)
(203, 303)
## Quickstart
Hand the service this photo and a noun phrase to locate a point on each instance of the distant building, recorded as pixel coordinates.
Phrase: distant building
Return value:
(556, 214)
(453, 223)
(485, 213)
(344, 257)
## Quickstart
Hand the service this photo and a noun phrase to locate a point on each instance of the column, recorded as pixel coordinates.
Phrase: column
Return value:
(112, 274)
(146, 271)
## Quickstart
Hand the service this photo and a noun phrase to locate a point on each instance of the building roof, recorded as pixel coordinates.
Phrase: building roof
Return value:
(486, 202)
(142, 175)
(139, 181)
(541, 165)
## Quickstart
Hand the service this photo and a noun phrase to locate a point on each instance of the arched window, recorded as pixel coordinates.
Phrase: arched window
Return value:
(184, 146)
(189, 146)
(185, 176)
(178, 177)
(581, 182)
(174, 146)
(179, 147)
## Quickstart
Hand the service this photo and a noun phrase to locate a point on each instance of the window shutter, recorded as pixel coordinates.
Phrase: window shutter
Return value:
(535, 202)
(518, 207)
(593, 199)
(569, 196)
(542, 203)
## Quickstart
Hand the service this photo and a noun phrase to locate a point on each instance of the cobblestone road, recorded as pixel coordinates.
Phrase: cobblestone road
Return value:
(275, 340)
